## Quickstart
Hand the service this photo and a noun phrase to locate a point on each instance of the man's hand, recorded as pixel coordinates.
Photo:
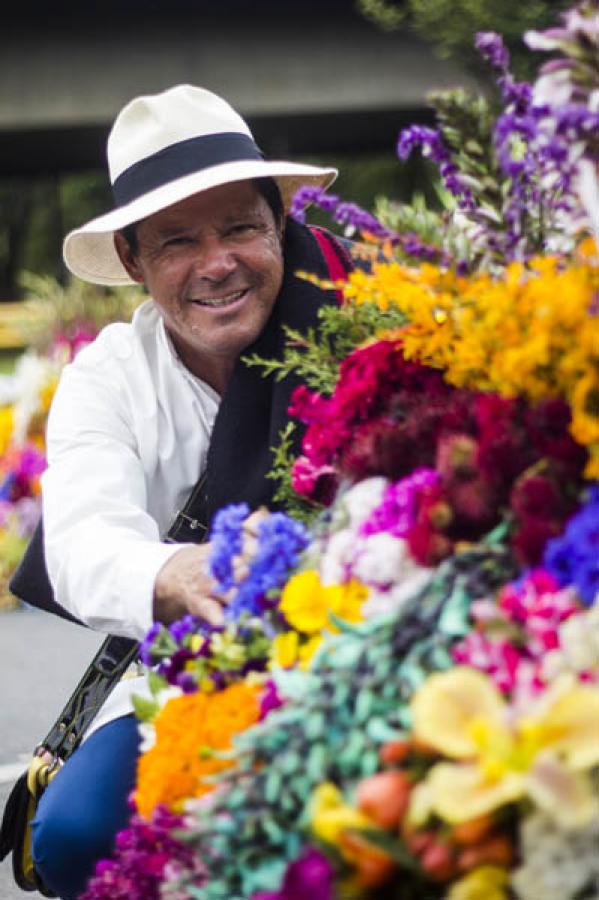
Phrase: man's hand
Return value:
(184, 586)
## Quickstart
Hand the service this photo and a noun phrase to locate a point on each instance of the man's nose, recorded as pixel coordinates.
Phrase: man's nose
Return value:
(214, 260)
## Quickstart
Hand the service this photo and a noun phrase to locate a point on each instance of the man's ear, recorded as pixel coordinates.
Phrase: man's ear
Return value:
(127, 257)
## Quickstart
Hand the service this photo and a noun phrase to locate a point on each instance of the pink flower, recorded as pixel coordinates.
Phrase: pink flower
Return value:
(499, 659)
(315, 481)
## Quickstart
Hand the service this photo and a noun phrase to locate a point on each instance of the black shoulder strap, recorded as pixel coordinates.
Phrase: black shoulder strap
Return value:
(106, 668)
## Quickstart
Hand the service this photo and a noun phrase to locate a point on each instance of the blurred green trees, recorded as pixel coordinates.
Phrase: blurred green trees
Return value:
(450, 25)
(35, 216)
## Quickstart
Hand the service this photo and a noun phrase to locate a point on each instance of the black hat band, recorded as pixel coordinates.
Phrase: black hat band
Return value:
(183, 158)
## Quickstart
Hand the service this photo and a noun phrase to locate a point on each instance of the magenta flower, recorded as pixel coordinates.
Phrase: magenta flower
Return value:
(270, 699)
(310, 876)
(146, 853)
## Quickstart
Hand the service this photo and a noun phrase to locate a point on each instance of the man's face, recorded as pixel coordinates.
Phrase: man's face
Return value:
(214, 265)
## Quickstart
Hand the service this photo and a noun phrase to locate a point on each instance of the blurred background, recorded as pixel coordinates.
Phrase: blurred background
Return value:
(316, 80)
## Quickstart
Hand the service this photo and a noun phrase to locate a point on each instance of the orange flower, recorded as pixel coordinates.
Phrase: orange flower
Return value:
(188, 729)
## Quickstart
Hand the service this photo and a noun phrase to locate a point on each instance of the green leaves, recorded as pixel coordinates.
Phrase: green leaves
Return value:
(144, 708)
(315, 357)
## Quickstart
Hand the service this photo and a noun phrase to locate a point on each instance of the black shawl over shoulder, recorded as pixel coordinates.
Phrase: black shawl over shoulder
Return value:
(251, 416)
(253, 411)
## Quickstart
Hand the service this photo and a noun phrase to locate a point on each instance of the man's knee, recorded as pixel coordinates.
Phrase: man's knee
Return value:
(66, 847)
(84, 807)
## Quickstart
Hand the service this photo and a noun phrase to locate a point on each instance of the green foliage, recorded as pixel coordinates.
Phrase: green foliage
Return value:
(144, 708)
(283, 457)
(316, 356)
(35, 215)
(386, 15)
(52, 308)
(450, 25)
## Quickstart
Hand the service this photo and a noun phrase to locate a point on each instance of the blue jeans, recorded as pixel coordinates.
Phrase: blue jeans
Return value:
(84, 806)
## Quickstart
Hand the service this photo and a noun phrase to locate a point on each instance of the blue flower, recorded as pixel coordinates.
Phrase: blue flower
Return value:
(280, 541)
(226, 539)
(573, 558)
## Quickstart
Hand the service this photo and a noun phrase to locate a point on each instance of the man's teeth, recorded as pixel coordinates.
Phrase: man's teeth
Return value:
(221, 301)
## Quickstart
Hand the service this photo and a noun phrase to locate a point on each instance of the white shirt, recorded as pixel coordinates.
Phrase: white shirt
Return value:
(127, 438)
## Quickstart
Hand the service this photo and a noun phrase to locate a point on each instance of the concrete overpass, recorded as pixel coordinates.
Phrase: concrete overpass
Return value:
(311, 77)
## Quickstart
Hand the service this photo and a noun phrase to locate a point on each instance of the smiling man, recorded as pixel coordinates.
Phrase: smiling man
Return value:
(213, 265)
(200, 219)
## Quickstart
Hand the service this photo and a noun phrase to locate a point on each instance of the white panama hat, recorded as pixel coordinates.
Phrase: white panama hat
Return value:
(164, 148)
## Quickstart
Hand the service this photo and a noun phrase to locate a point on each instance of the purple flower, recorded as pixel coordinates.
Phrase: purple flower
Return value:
(431, 145)
(354, 217)
(144, 853)
(428, 139)
(146, 648)
(491, 47)
(28, 511)
(182, 627)
(310, 876)
(396, 514)
(349, 214)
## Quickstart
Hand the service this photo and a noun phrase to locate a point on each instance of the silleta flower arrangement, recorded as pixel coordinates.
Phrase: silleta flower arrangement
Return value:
(403, 701)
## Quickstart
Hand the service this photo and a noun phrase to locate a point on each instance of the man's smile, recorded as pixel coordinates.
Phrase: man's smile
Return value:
(224, 300)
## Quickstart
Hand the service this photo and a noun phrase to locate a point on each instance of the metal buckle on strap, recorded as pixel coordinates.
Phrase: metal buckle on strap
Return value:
(194, 524)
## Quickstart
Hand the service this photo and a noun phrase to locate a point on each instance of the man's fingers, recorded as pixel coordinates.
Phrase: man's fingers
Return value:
(208, 609)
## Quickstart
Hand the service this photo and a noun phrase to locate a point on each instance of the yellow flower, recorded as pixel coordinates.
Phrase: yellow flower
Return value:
(546, 757)
(346, 600)
(447, 704)
(308, 649)
(284, 649)
(330, 815)
(303, 602)
(527, 332)
(6, 427)
(306, 602)
(482, 883)
(195, 642)
(47, 393)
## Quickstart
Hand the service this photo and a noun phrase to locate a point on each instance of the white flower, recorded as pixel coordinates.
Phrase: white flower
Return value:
(337, 557)
(380, 603)
(578, 646)
(557, 864)
(588, 190)
(147, 732)
(33, 373)
(380, 559)
(538, 40)
(363, 498)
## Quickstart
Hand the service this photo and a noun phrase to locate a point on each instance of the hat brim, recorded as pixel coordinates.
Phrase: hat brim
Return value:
(89, 251)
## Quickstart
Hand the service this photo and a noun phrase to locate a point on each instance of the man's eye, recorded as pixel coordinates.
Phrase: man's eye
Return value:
(242, 228)
(176, 241)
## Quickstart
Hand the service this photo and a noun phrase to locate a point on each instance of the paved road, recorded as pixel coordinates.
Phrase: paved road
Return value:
(41, 660)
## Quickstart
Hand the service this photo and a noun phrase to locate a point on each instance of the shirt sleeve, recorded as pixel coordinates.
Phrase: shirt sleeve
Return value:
(103, 549)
